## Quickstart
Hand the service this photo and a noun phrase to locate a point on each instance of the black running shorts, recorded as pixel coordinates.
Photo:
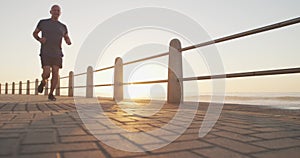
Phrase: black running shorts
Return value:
(50, 61)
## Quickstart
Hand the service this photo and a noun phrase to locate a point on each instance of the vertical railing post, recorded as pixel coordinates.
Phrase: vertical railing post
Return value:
(6, 88)
(36, 87)
(0, 88)
(20, 87)
(46, 88)
(71, 84)
(175, 84)
(13, 88)
(28, 87)
(118, 80)
(89, 82)
(57, 89)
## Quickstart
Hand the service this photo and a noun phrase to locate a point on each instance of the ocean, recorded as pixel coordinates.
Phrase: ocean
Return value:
(287, 100)
(272, 99)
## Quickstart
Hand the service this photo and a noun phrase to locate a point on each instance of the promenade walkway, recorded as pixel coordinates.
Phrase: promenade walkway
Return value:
(31, 127)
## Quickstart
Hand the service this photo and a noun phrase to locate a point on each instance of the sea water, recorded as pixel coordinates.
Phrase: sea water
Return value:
(272, 99)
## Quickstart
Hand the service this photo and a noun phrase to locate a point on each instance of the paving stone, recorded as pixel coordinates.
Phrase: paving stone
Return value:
(54, 107)
(94, 126)
(44, 122)
(40, 136)
(192, 131)
(23, 116)
(46, 155)
(268, 129)
(141, 138)
(73, 139)
(217, 152)
(180, 146)
(66, 107)
(284, 153)
(123, 144)
(41, 148)
(32, 107)
(275, 135)
(278, 143)
(234, 124)
(20, 107)
(8, 107)
(107, 131)
(40, 116)
(84, 154)
(6, 117)
(140, 127)
(43, 107)
(185, 154)
(9, 135)
(235, 145)
(8, 146)
(235, 129)
(123, 119)
(188, 137)
(19, 121)
(297, 138)
(62, 119)
(108, 137)
(71, 131)
(235, 136)
(15, 126)
(119, 153)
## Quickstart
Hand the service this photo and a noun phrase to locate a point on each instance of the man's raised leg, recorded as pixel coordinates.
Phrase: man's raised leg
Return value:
(45, 76)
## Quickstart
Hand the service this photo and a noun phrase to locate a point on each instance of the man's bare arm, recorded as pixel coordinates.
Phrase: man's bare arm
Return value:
(67, 39)
(37, 37)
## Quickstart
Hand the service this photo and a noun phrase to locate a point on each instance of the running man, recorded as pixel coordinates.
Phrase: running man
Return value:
(51, 52)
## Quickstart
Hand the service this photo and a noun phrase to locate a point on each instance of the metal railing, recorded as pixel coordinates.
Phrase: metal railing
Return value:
(175, 58)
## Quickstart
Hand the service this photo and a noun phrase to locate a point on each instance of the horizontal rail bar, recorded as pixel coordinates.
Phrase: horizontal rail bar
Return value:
(146, 82)
(246, 74)
(79, 86)
(106, 68)
(147, 58)
(64, 77)
(246, 33)
(134, 61)
(80, 74)
(25, 83)
(63, 87)
(102, 85)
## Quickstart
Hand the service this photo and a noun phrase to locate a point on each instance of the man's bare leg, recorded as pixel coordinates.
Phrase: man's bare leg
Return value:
(45, 74)
(54, 80)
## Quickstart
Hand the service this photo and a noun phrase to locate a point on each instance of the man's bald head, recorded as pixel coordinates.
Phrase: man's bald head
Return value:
(55, 12)
(55, 6)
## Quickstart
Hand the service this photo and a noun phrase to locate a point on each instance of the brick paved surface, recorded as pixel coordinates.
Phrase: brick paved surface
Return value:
(31, 127)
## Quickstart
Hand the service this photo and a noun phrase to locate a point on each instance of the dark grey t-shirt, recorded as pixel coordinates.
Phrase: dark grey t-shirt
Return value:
(53, 31)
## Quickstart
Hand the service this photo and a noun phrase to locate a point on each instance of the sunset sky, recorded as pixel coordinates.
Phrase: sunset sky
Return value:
(270, 50)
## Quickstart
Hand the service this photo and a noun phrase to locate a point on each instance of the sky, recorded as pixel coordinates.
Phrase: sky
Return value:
(271, 50)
